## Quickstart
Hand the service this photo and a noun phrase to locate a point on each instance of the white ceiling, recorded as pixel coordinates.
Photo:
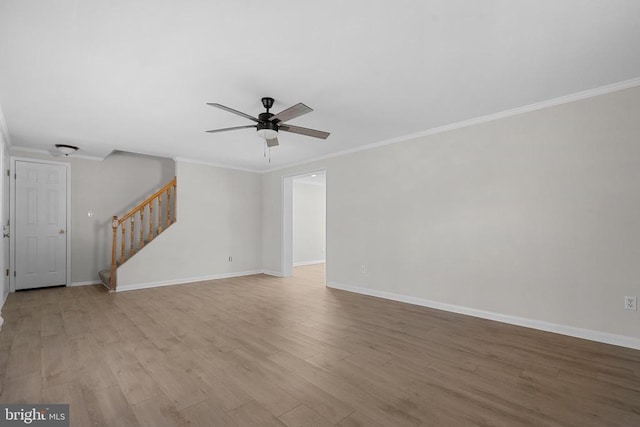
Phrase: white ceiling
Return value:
(136, 75)
(316, 178)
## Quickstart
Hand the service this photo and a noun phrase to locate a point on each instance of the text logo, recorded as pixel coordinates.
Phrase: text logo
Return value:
(34, 415)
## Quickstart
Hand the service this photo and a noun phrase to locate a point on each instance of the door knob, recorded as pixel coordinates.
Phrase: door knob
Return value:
(61, 231)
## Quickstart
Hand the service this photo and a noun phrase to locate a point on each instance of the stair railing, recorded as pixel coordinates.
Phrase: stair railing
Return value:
(138, 227)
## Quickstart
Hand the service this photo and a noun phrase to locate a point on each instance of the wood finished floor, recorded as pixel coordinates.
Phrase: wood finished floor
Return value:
(264, 351)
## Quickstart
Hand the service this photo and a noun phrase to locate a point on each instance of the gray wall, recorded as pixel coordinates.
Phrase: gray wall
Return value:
(107, 188)
(533, 216)
(308, 223)
(219, 215)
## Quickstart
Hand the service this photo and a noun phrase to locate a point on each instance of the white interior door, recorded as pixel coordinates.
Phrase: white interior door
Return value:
(41, 222)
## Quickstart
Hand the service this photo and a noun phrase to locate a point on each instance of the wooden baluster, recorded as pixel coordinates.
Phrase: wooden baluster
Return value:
(132, 248)
(122, 243)
(114, 252)
(168, 206)
(158, 222)
(151, 220)
(159, 213)
(141, 227)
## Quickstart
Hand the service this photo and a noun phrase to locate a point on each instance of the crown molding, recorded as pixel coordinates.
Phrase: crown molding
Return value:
(603, 90)
(216, 165)
(48, 153)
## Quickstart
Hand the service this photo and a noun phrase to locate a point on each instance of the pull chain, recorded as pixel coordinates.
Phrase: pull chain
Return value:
(265, 148)
(269, 155)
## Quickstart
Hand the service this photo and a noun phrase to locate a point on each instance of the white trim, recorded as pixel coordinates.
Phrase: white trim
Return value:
(603, 90)
(590, 93)
(48, 153)
(216, 165)
(4, 299)
(286, 226)
(12, 215)
(86, 283)
(318, 171)
(300, 264)
(5, 208)
(589, 334)
(4, 130)
(272, 273)
(135, 286)
(286, 218)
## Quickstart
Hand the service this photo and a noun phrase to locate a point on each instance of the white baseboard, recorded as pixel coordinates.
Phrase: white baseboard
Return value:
(273, 273)
(589, 334)
(89, 282)
(135, 286)
(4, 298)
(299, 264)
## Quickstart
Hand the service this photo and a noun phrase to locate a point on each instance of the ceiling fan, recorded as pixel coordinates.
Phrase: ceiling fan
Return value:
(268, 124)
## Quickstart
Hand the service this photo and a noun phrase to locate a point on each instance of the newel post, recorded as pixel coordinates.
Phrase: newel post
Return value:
(112, 280)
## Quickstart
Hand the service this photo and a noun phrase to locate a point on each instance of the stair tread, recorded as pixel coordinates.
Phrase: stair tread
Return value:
(105, 276)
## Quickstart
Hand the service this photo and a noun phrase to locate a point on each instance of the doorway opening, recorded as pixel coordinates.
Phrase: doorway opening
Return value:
(304, 224)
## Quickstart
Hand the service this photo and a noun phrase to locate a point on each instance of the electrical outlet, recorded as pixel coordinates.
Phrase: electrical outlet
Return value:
(230, 258)
(630, 303)
(363, 269)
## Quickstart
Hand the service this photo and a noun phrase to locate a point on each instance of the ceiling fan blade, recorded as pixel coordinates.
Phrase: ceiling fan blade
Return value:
(304, 131)
(272, 142)
(233, 128)
(231, 110)
(291, 113)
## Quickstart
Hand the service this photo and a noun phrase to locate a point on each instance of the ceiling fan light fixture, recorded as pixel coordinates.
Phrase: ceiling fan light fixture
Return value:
(267, 133)
(66, 149)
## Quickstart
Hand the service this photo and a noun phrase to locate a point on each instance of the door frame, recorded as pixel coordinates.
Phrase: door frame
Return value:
(286, 237)
(5, 209)
(12, 215)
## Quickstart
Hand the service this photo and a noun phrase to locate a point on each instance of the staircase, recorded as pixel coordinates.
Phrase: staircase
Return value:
(138, 227)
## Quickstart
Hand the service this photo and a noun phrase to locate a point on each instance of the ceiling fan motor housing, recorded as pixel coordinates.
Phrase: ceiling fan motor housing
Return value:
(264, 122)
